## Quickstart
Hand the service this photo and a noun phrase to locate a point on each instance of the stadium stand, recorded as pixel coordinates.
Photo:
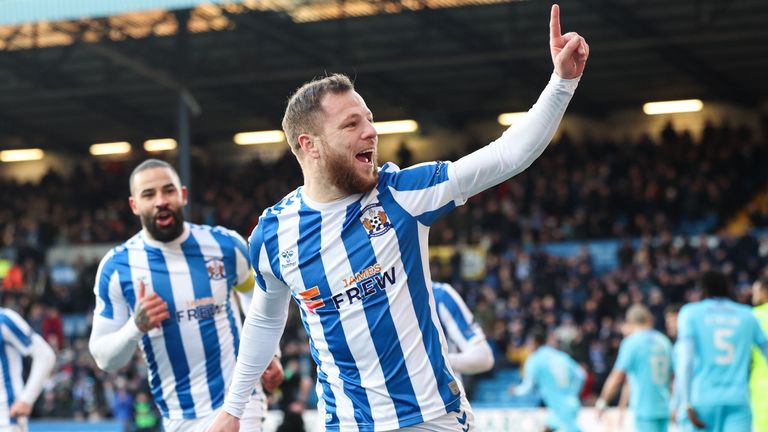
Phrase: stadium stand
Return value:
(527, 277)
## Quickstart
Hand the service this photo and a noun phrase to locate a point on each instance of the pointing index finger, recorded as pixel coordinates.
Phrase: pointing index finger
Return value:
(554, 22)
(141, 289)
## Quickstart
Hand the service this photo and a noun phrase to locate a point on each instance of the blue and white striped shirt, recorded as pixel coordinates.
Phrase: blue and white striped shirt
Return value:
(457, 321)
(15, 343)
(191, 357)
(358, 270)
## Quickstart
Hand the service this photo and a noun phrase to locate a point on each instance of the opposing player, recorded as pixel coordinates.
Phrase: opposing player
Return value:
(646, 357)
(468, 350)
(559, 380)
(169, 289)
(717, 335)
(758, 380)
(678, 412)
(17, 396)
(350, 246)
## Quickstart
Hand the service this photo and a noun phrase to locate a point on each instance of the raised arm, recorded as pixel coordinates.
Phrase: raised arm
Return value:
(527, 139)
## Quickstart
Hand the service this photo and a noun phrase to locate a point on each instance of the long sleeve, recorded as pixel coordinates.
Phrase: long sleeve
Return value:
(262, 329)
(475, 357)
(686, 370)
(111, 344)
(43, 361)
(520, 145)
(529, 381)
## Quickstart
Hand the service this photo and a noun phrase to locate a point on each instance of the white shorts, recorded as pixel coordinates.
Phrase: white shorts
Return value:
(462, 420)
(251, 421)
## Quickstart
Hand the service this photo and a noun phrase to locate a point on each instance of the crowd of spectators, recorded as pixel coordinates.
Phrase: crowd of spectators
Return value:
(650, 193)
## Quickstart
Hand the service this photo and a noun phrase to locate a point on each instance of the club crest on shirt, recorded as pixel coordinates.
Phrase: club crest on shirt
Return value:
(287, 258)
(215, 268)
(375, 220)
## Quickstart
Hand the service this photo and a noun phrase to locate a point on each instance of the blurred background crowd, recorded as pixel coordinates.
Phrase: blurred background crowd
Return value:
(641, 219)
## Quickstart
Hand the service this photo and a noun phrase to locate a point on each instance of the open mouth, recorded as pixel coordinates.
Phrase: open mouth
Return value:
(365, 157)
(164, 218)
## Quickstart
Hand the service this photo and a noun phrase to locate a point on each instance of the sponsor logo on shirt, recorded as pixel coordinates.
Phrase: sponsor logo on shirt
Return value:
(200, 309)
(287, 258)
(368, 282)
(364, 284)
(375, 220)
(310, 298)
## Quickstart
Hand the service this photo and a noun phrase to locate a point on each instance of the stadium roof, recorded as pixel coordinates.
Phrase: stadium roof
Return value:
(67, 84)
(29, 11)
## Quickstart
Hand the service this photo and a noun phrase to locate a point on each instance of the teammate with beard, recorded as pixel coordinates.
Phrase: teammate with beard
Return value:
(350, 247)
(170, 289)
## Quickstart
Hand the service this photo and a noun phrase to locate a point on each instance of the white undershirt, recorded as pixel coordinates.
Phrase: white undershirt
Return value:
(500, 160)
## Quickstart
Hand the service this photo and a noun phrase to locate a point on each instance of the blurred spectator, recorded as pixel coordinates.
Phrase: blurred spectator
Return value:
(53, 330)
(145, 418)
(662, 198)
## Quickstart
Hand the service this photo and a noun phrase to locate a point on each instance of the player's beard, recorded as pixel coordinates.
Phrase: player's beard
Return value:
(164, 234)
(345, 177)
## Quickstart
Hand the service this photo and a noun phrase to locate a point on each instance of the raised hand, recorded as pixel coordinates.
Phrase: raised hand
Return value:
(150, 310)
(569, 51)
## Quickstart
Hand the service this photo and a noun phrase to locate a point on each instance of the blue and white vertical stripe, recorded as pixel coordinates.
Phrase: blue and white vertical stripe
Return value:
(358, 269)
(191, 357)
(458, 323)
(15, 343)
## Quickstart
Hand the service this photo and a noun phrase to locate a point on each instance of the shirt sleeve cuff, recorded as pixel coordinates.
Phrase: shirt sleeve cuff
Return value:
(567, 85)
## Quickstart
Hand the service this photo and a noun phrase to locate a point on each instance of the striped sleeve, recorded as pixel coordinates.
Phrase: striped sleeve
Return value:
(242, 262)
(457, 319)
(110, 301)
(263, 271)
(426, 191)
(17, 332)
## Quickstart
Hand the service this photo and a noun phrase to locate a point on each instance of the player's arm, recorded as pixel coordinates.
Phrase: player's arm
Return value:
(262, 329)
(612, 386)
(617, 376)
(245, 282)
(43, 361)
(114, 334)
(529, 380)
(522, 143)
(475, 355)
(686, 354)
(429, 190)
(18, 333)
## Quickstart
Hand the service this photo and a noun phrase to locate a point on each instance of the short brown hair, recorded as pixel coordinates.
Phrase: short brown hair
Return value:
(304, 106)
